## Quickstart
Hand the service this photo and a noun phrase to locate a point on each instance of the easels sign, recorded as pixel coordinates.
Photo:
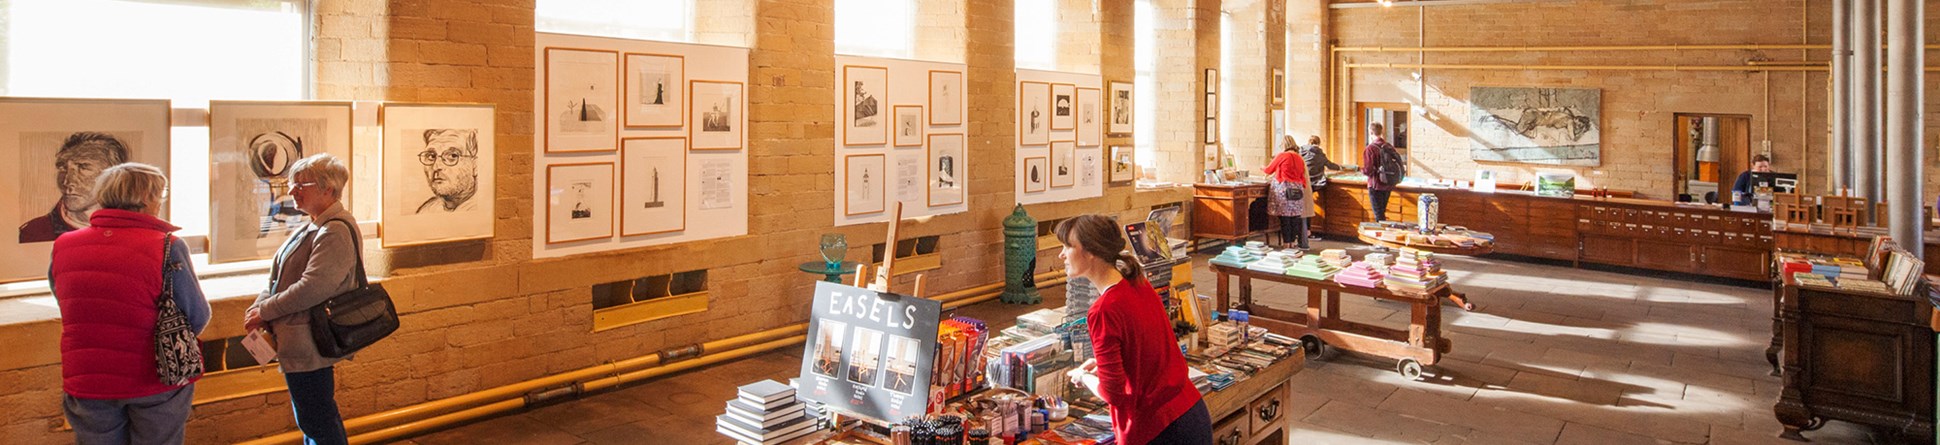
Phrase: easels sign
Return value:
(869, 353)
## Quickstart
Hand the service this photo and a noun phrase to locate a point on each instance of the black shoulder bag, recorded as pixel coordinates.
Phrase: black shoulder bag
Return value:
(353, 320)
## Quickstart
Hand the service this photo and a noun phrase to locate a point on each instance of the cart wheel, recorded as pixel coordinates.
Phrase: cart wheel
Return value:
(1313, 346)
(1409, 369)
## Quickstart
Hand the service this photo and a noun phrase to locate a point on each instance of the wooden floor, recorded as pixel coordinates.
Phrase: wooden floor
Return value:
(1551, 355)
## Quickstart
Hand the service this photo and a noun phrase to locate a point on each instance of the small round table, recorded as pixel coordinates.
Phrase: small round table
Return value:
(831, 275)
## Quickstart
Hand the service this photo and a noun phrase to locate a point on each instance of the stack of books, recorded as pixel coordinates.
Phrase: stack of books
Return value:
(765, 412)
(1901, 273)
(1235, 256)
(1361, 274)
(1414, 272)
(1273, 263)
(1223, 336)
(1313, 268)
(1337, 258)
(1811, 279)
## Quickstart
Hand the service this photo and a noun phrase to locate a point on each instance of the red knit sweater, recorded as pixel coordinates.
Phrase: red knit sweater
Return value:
(1141, 372)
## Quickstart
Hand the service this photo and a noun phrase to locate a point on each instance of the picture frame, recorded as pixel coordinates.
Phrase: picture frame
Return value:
(653, 175)
(946, 169)
(582, 95)
(654, 94)
(720, 124)
(1036, 174)
(1090, 117)
(910, 126)
(946, 97)
(1063, 165)
(451, 198)
(1212, 105)
(1212, 80)
(1212, 130)
(1064, 98)
(863, 121)
(1088, 168)
(33, 132)
(865, 183)
(252, 145)
(1123, 168)
(1033, 113)
(579, 202)
(1279, 87)
(1119, 117)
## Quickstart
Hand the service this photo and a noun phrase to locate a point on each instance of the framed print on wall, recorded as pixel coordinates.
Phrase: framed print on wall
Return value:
(251, 148)
(44, 141)
(946, 169)
(1123, 170)
(717, 115)
(438, 172)
(1063, 169)
(1120, 112)
(579, 202)
(653, 185)
(866, 184)
(582, 91)
(1033, 113)
(654, 90)
(1212, 80)
(1035, 174)
(1090, 121)
(909, 125)
(1279, 87)
(1212, 130)
(946, 97)
(1088, 169)
(1064, 99)
(1212, 105)
(868, 95)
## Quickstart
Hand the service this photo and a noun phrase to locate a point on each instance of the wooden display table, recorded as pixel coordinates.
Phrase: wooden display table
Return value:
(1230, 212)
(1857, 356)
(1478, 250)
(1321, 327)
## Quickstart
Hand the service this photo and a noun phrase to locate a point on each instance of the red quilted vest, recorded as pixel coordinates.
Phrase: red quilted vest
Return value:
(106, 278)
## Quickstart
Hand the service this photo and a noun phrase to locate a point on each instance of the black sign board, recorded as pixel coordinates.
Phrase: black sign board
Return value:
(869, 353)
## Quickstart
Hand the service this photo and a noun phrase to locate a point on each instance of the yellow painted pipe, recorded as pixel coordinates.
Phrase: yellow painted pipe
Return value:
(605, 383)
(1588, 67)
(443, 421)
(1501, 49)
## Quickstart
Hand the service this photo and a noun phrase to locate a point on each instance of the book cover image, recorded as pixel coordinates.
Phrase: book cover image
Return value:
(870, 354)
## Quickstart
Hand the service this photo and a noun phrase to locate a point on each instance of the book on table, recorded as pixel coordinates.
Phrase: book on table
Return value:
(753, 414)
(767, 393)
(743, 432)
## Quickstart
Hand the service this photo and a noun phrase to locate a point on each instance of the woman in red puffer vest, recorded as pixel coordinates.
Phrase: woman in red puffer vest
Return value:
(106, 279)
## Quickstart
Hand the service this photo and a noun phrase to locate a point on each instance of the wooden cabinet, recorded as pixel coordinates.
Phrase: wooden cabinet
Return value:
(1748, 264)
(1856, 356)
(1230, 212)
(1658, 255)
(1608, 250)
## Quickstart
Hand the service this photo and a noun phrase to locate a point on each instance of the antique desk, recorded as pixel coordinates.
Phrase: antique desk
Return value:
(1230, 212)
(1856, 356)
(1321, 327)
(1832, 242)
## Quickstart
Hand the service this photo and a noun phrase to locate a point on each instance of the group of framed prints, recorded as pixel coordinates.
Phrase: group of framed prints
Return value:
(1061, 124)
(1212, 105)
(902, 139)
(642, 143)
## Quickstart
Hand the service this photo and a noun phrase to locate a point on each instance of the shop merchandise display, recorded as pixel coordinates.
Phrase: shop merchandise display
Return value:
(1274, 262)
(1235, 256)
(1415, 272)
(1438, 236)
(765, 412)
(1361, 274)
(1312, 267)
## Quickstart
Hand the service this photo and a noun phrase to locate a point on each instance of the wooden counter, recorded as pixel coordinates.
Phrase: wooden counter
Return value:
(1231, 212)
(1856, 356)
(1847, 243)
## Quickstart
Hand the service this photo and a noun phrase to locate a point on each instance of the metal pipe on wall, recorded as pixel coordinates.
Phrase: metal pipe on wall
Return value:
(1905, 32)
(1865, 101)
(1838, 153)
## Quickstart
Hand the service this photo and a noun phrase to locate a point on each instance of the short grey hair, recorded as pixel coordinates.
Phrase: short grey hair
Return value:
(329, 172)
(129, 186)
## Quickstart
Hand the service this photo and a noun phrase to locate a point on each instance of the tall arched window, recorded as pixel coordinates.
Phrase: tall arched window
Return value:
(1145, 62)
(663, 20)
(1036, 32)
(876, 28)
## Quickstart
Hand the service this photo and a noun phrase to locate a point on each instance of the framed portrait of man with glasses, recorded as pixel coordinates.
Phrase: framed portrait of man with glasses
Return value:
(447, 196)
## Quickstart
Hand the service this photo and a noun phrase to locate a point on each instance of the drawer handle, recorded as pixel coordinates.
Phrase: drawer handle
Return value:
(1270, 411)
(1230, 439)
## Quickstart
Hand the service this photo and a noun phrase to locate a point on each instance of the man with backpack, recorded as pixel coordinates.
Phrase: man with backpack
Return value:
(1383, 168)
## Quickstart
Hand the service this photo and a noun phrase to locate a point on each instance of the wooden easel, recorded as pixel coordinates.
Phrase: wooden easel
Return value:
(880, 282)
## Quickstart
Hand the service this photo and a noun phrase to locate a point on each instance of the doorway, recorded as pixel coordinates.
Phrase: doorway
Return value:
(1711, 150)
(1393, 117)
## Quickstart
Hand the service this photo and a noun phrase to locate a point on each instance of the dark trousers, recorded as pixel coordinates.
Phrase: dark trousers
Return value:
(1293, 230)
(1192, 428)
(1379, 198)
(314, 396)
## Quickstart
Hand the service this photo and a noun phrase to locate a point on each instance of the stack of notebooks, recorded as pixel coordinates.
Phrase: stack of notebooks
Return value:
(1223, 336)
(1361, 274)
(1235, 256)
(1313, 268)
(1337, 258)
(1273, 263)
(765, 412)
(1414, 272)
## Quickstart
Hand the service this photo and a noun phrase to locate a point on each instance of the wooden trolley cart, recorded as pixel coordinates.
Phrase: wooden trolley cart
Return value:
(1321, 327)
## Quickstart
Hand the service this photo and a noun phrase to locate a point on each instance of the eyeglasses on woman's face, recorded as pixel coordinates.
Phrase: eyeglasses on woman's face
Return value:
(450, 157)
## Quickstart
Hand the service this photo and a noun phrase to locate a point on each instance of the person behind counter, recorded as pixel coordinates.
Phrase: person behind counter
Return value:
(1741, 190)
(1291, 199)
(1138, 368)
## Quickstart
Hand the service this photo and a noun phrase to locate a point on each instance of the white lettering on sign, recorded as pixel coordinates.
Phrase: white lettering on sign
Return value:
(874, 309)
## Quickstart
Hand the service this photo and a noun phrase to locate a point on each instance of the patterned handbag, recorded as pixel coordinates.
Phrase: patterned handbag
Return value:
(178, 356)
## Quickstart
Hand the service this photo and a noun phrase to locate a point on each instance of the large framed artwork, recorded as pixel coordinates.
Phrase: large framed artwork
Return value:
(579, 202)
(54, 149)
(1064, 98)
(1033, 113)
(1035, 174)
(946, 97)
(438, 172)
(946, 168)
(1090, 124)
(582, 95)
(909, 125)
(1554, 126)
(1063, 169)
(654, 90)
(251, 148)
(866, 184)
(717, 115)
(1123, 170)
(653, 185)
(864, 121)
(1120, 111)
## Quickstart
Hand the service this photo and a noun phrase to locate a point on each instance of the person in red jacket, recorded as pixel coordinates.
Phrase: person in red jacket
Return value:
(106, 278)
(1138, 368)
(1289, 172)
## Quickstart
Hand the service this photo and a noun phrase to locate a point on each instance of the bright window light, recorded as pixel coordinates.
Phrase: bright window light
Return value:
(878, 28)
(1037, 34)
(1146, 60)
(663, 20)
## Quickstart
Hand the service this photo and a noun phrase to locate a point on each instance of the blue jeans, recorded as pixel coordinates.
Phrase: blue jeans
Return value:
(314, 396)
(156, 419)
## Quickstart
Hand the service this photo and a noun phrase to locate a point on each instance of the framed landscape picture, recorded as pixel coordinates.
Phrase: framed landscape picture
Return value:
(251, 148)
(582, 91)
(654, 90)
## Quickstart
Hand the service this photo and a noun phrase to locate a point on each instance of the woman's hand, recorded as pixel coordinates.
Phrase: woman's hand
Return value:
(253, 319)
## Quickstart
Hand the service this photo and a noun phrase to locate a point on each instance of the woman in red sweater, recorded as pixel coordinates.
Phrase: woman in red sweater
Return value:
(1139, 370)
(1289, 172)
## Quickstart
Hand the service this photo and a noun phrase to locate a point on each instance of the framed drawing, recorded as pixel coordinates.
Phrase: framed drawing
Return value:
(868, 93)
(54, 149)
(946, 97)
(1212, 105)
(1033, 113)
(1212, 130)
(582, 91)
(1090, 124)
(1551, 126)
(1212, 80)
(909, 177)
(909, 125)
(653, 185)
(579, 202)
(1279, 87)
(1063, 101)
(865, 186)
(716, 109)
(654, 90)
(1035, 174)
(438, 172)
(1120, 111)
(946, 168)
(1088, 169)
(251, 148)
(1063, 171)
(1123, 170)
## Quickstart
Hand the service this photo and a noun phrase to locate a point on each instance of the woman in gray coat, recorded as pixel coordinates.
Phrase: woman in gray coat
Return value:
(317, 262)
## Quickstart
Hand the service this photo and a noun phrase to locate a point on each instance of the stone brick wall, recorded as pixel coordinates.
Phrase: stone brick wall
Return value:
(1246, 108)
(1184, 40)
